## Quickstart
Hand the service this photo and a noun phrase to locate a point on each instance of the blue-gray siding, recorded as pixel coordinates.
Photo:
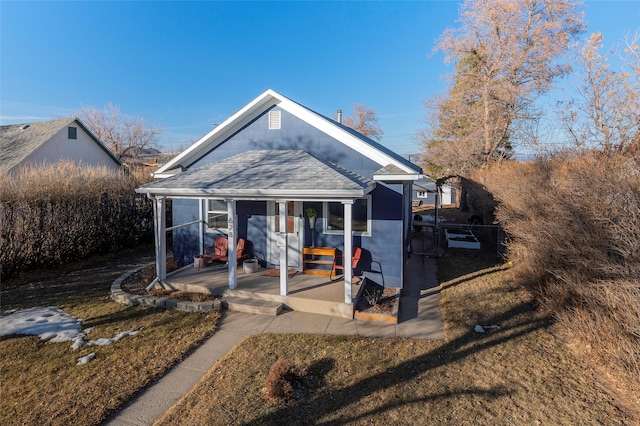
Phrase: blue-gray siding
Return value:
(385, 244)
(293, 134)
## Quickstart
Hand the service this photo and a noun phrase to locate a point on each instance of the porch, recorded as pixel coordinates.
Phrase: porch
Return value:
(306, 293)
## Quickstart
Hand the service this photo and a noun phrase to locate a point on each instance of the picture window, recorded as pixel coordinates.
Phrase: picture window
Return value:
(361, 217)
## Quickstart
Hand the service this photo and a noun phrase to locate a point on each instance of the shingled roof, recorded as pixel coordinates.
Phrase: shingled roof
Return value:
(265, 174)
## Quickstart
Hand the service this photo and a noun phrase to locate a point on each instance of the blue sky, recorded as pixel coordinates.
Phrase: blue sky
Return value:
(188, 65)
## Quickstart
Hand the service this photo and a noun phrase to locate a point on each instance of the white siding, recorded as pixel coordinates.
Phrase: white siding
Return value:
(82, 150)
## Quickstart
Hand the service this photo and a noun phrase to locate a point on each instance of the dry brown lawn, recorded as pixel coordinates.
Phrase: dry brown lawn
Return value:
(40, 382)
(517, 373)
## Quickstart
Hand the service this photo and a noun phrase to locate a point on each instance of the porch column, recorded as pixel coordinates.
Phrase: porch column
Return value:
(231, 238)
(160, 231)
(202, 216)
(348, 249)
(283, 244)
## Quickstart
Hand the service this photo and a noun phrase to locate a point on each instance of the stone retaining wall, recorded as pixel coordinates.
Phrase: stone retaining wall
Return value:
(121, 296)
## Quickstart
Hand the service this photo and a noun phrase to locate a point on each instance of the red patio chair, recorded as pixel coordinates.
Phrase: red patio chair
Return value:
(242, 251)
(220, 248)
(355, 258)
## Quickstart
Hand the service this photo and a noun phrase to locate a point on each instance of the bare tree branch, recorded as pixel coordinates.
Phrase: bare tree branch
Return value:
(124, 135)
(607, 113)
(365, 121)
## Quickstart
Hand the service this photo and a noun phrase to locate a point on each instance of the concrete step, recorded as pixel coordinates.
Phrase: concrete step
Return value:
(313, 306)
(253, 306)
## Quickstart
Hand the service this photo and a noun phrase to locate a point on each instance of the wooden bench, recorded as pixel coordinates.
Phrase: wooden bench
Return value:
(318, 256)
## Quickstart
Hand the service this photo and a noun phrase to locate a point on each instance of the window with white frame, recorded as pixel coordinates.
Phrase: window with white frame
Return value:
(216, 215)
(361, 217)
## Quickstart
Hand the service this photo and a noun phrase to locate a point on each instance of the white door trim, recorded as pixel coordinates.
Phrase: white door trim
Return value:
(295, 241)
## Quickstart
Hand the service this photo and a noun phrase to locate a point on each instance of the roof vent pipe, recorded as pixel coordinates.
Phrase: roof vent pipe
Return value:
(340, 116)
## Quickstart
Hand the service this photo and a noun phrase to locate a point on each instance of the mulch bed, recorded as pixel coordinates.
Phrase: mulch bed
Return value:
(137, 283)
(377, 300)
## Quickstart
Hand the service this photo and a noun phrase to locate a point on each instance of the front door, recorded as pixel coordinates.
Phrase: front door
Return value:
(294, 233)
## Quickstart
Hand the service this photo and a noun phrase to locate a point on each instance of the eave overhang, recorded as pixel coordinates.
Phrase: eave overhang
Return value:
(391, 173)
(258, 194)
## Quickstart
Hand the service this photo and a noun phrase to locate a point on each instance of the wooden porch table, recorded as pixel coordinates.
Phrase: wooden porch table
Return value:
(311, 255)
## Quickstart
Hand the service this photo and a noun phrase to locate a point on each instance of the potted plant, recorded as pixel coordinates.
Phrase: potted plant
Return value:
(312, 214)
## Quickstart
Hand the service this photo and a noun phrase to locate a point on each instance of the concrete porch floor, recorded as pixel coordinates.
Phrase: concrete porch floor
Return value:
(306, 293)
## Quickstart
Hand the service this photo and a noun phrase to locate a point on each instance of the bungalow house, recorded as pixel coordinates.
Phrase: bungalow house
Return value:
(260, 173)
(48, 142)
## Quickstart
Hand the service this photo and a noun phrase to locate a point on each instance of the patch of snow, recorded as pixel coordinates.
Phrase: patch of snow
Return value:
(86, 359)
(55, 325)
(483, 328)
(49, 323)
(79, 342)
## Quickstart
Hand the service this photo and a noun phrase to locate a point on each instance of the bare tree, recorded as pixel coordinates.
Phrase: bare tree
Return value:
(124, 135)
(365, 121)
(506, 54)
(606, 115)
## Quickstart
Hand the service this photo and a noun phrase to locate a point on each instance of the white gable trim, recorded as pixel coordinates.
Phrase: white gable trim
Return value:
(257, 106)
(397, 178)
(221, 132)
(341, 135)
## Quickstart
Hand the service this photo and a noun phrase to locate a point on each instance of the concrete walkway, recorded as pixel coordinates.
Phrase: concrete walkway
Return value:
(418, 318)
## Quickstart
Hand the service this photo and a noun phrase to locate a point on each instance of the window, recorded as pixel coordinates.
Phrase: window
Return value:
(290, 217)
(274, 120)
(73, 133)
(361, 217)
(216, 215)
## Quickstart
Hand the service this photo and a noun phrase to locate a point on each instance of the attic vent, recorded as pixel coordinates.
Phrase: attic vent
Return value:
(25, 126)
(274, 120)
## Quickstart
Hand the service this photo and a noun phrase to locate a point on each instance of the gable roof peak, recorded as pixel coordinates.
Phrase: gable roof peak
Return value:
(267, 99)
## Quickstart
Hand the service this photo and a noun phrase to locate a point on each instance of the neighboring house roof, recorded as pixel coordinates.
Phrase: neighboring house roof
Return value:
(266, 174)
(266, 100)
(18, 141)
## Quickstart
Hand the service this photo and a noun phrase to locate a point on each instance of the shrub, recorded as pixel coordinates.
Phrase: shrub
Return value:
(56, 213)
(284, 382)
(573, 225)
